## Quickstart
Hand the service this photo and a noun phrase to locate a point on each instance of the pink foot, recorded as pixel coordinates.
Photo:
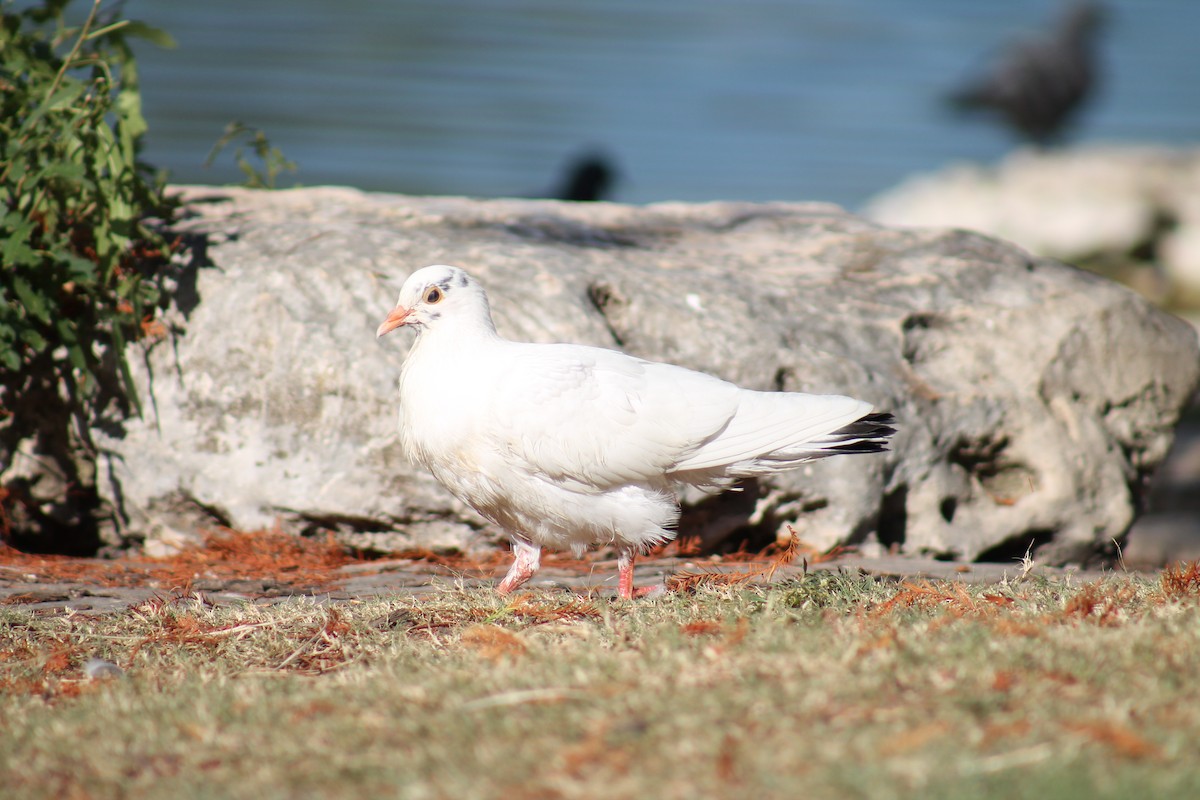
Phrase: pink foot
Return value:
(527, 560)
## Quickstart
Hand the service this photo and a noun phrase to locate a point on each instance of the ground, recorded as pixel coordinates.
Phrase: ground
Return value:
(264, 566)
(263, 668)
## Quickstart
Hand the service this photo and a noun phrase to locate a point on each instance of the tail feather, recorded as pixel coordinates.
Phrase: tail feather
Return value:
(867, 435)
(860, 431)
(775, 426)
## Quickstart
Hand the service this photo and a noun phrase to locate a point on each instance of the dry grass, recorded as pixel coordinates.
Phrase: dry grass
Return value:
(280, 560)
(694, 579)
(831, 686)
(222, 555)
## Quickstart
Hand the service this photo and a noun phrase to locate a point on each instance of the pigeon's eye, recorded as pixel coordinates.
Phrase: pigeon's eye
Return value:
(433, 295)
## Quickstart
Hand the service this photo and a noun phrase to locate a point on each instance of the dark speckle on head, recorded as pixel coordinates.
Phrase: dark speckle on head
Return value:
(433, 315)
(462, 279)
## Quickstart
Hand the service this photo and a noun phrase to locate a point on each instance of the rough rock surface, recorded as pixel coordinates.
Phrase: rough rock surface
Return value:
(1033, 399)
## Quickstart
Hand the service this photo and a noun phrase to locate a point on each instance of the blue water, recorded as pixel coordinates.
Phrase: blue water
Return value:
(731, 99)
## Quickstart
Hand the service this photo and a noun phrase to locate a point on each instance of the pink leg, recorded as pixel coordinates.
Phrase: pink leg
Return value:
(625, 574)
(625, 588)
(526, 562)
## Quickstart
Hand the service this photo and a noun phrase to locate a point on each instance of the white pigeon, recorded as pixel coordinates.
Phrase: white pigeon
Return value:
(565, 445)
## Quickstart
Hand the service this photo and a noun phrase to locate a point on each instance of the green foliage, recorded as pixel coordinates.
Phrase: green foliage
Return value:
(272, 158)
(78, 253)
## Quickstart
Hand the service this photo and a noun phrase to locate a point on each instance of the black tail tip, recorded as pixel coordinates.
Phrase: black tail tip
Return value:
(881, 424)
(868, 434)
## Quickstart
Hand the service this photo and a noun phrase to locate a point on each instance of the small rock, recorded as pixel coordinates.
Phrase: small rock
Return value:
(99, 669)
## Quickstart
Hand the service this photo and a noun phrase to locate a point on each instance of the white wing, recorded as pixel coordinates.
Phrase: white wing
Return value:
(598, 418)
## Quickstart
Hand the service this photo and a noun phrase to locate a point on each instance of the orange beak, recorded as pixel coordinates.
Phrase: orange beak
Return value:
(394, 320)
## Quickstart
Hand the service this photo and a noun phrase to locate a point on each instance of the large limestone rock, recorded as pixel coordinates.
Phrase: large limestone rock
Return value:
(1033, 399)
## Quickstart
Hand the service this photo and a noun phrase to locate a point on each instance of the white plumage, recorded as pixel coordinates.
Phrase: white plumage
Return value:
(565, 445)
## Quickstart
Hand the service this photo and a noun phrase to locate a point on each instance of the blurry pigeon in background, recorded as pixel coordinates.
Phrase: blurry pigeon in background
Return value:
(565, 446)
(1038, 83)
(587, 178)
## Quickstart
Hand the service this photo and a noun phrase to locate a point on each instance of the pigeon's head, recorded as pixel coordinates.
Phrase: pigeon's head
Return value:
(433, 293)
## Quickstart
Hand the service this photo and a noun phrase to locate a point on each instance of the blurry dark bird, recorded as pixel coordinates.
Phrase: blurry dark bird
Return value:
(1038, 83)
(587, 178)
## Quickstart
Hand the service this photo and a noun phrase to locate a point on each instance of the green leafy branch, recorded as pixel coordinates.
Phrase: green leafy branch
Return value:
(81, 217)
(272, 158)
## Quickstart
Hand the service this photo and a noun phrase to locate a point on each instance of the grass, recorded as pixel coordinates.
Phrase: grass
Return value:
(831, 686)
